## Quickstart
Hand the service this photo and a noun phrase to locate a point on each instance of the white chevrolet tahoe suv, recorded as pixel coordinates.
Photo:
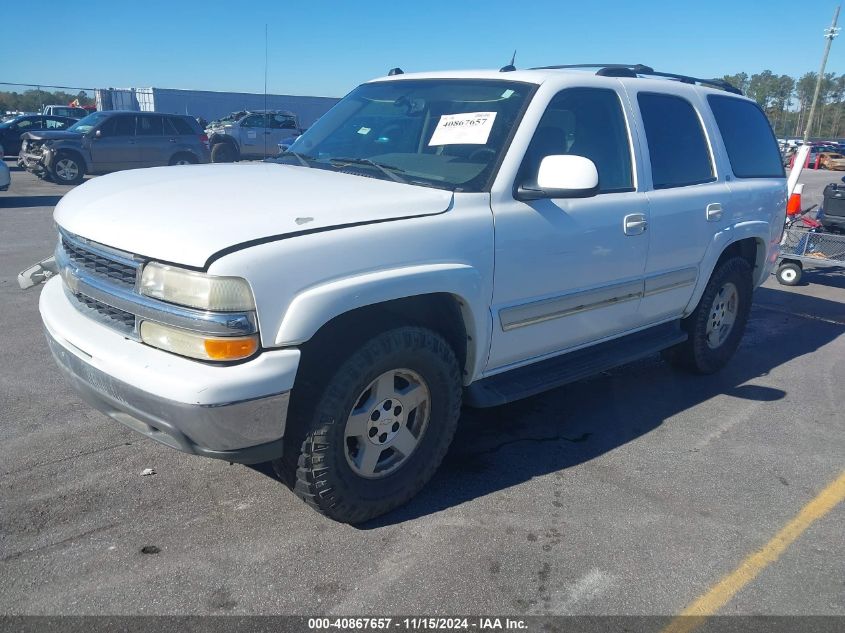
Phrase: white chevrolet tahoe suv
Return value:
(434, 240)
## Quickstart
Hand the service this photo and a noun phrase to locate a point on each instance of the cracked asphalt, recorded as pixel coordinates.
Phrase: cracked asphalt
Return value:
(628, 493)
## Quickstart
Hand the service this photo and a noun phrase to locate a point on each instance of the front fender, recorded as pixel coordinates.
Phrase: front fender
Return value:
(316, 306)
(756, 229)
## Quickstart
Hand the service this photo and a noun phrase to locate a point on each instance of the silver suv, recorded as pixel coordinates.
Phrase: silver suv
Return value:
(112, 141)
(256, 134)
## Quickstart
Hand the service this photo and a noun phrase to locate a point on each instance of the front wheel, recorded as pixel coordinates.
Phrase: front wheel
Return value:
(67, 170)
(718, 322)
(379, 428)
(224, 153)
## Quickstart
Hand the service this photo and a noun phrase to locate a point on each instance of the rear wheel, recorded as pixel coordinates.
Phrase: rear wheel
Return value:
(789, 274)
(377, 431)
(67, 169)
(183, 159)
(224, 153)
(717, 324)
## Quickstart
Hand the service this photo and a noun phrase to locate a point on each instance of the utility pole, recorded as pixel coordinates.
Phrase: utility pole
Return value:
(829, 33)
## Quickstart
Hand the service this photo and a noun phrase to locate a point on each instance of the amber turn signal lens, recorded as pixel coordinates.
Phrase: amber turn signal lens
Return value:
(231, 348)
(195, 345)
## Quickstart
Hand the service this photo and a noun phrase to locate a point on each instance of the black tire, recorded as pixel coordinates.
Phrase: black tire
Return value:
(224, 153)
(316, 440)
(67, 169)
(183, 158)
(789, 274)
(695, 354)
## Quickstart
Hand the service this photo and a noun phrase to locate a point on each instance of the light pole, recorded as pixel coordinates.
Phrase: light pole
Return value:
(829, 33)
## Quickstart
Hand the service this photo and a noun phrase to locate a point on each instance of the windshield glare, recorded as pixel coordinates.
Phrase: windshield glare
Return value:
(433, 132)
(88, 123)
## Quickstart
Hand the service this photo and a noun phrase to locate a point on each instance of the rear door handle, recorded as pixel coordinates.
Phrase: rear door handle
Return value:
(713, 212)
(635, 224)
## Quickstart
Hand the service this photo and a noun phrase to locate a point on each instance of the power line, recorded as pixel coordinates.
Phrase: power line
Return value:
(35, 85)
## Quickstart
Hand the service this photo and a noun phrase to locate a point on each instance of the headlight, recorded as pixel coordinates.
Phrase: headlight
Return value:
(199, 346)
(196, 290)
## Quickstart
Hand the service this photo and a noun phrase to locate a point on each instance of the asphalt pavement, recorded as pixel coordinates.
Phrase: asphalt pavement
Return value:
(629, 493)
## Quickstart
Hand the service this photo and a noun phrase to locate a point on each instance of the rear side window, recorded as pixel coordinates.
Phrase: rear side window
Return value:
(749, 141)
(150, 126)
(179, 126)
(676, 142)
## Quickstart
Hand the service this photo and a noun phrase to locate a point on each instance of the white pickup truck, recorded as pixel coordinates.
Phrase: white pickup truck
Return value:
(434, 240)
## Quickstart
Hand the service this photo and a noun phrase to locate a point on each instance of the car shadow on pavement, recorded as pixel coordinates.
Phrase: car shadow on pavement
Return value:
(498, 448)
(20, 202)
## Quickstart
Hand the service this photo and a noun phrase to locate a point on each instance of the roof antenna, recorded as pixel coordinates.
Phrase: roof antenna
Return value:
(510, 67)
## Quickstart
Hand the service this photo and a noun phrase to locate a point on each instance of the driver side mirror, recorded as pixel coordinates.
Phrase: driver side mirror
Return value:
(561, 176)
(98, 133)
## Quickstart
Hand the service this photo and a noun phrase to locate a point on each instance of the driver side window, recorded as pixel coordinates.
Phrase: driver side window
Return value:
(253, 121)
(118, 126)
(585, 122)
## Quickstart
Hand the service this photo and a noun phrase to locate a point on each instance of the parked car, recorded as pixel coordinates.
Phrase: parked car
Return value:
(434, 240)
(72, 112)
(831, 160)
(254, 135)
(5, 175)
(11, 130)
(112, 141)
(285, 143)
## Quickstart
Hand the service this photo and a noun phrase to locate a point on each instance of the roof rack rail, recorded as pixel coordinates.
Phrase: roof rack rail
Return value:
(635, 70)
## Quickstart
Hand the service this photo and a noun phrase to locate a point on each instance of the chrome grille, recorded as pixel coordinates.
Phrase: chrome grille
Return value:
(100, 265)
(104, 313)
(100, 282)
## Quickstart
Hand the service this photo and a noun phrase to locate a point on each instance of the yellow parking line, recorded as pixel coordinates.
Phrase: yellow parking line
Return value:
(720, 594)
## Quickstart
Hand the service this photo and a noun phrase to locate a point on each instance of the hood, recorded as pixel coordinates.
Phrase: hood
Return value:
(50, 135)
(186, 214)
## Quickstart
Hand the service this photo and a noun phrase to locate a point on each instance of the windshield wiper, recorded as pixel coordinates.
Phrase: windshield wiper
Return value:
(302, 158)
(387, 170)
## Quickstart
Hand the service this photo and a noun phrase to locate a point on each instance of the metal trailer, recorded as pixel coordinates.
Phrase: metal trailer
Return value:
(800, 249)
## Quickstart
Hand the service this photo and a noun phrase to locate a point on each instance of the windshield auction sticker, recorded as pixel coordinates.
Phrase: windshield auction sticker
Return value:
(468, 128)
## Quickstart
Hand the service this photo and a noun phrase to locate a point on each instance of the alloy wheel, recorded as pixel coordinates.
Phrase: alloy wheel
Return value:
(387, 423)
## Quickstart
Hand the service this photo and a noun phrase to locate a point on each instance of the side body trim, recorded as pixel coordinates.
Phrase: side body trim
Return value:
(566, 305)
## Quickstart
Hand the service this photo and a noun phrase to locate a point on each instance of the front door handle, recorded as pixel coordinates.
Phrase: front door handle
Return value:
(713, 212)
(635, 224)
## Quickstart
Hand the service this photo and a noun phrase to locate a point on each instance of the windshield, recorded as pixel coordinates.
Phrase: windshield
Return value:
(85, 125)
(445, 133)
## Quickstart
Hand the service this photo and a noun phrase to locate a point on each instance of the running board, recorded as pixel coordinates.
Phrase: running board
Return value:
(530, 380)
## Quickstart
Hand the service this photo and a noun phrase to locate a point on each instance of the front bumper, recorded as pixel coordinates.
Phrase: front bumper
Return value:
(236, 412)
(35, 163)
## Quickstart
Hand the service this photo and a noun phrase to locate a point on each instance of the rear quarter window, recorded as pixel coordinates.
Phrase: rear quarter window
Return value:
(749, 141)
(181, 126)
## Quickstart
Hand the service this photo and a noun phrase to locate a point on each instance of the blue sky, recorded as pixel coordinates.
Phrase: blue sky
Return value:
(323, 47)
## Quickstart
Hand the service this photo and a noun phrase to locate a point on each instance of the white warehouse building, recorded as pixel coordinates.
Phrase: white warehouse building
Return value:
(209, 104)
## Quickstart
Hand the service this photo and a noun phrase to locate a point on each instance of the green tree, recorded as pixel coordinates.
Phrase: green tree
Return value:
(804, 89)
(739, 80)
(762, 88)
